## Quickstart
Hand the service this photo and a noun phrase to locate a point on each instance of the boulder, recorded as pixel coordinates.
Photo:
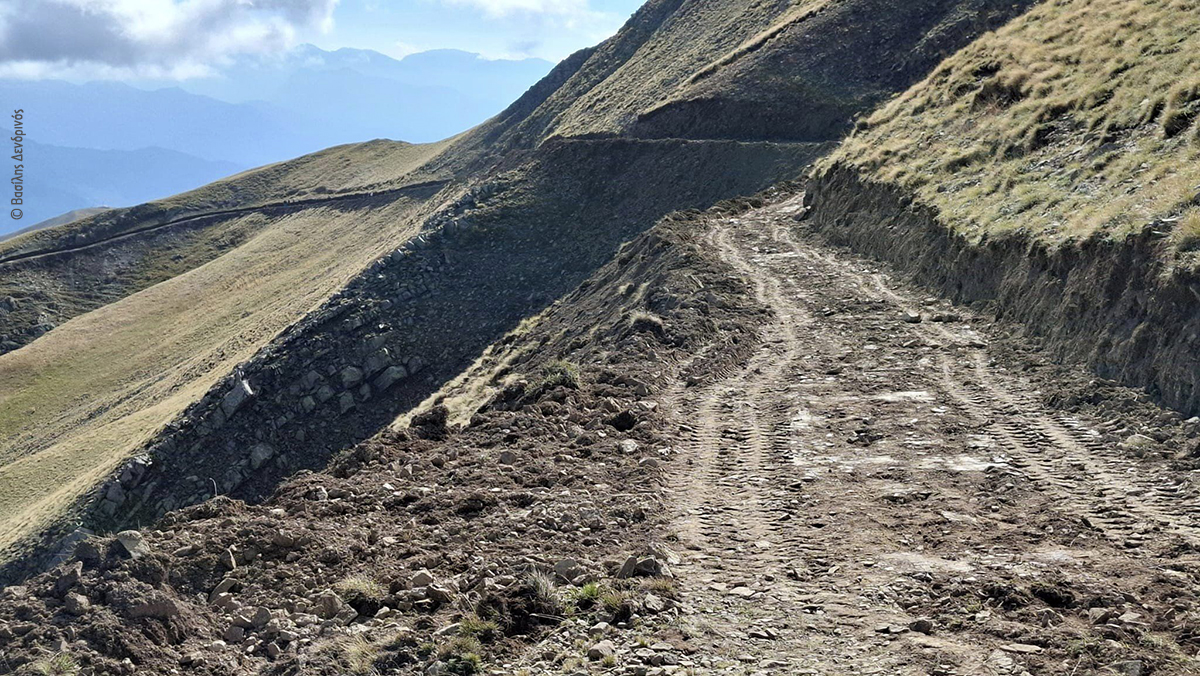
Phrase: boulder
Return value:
(378, 361)
(422, 578)
(237, 397)
(568, 569)
(390, 376)
(352, 376)
(260, 454)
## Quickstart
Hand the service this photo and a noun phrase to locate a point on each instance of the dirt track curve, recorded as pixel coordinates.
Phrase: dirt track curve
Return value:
(268, 207)
(869, 495)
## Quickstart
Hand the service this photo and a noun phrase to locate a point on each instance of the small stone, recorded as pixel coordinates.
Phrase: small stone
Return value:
(159, 606)
(921, 626)
(261, 617)
(652, 567)
(422, 578)
(507, 458)
(1021, 648)
(654, 604)
(228, 559)
(223, 586)
(329, 605)
(627, 568)
(352, 376)
(390, 376)
(1128, 668)
(134, 543)
(911, 317)
(77, 604)
(602, 650)
(235, 634)
(599, 629)
(567, 569)
(260, 454)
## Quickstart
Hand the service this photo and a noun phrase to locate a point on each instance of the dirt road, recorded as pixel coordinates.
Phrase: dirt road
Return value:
(875, 493)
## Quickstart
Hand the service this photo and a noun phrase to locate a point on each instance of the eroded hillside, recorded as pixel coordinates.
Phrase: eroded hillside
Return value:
(1049, 168)
(498, 409)
(240, 281)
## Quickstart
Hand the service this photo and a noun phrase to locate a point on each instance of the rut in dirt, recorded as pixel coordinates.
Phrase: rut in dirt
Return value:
(876, 491)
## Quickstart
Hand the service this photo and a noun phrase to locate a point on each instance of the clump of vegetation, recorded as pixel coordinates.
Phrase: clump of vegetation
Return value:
(61, 664)
(473, 626)
(1187, 231)
(617, 604)
(1182, 108)
(360, 589)
(647, 322)
(560, 373)
(662, 586)
(460, 655)
(359, 655)
(545, 591)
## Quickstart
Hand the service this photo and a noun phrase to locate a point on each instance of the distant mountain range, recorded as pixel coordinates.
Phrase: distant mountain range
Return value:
(167, 139)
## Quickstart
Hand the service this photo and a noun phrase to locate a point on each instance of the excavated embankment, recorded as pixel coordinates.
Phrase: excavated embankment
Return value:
(1117, 305)
(412, 321)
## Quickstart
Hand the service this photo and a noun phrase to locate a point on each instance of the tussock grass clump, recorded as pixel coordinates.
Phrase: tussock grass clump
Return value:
(647, 322)
(560, 373)
(61, 664)
(361, 592)
(545, 591)
(474, 626)
(359, 655)
(461, 655)
(1187, 232)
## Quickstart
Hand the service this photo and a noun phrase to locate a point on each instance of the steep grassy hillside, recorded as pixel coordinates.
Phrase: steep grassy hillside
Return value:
(1076, 118)
(53, 274)
(84, 396)
(1052, 169)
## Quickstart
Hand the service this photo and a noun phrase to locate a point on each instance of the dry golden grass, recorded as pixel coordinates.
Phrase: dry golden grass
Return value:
(1079, 116)
(81, 399)
(353, 168)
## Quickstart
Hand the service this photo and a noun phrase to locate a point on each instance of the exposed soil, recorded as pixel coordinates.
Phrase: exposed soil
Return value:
(893, 485)
(888, 497)
(816, 470)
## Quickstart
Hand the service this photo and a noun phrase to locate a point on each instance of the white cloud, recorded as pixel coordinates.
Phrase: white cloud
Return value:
(154, 38)
(507, 7)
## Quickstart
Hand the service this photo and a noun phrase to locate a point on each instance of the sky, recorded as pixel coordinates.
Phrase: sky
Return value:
(182, 39)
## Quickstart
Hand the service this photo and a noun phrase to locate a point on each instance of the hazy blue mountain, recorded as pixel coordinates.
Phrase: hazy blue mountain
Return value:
(166, 139)
(115, 116)
(58, 179)
(495, 83)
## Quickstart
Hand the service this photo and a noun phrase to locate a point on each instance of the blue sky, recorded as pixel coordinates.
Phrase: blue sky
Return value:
(550, 29)
(182, 39)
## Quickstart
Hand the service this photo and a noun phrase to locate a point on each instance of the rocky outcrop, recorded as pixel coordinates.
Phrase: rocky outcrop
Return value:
(1116, 304)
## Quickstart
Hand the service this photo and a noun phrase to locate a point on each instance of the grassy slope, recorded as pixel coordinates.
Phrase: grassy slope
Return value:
(342, 169)
(1076, 118)
(73, 405)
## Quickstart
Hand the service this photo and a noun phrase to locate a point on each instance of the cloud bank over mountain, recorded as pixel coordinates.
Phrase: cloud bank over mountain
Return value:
(126, 38)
